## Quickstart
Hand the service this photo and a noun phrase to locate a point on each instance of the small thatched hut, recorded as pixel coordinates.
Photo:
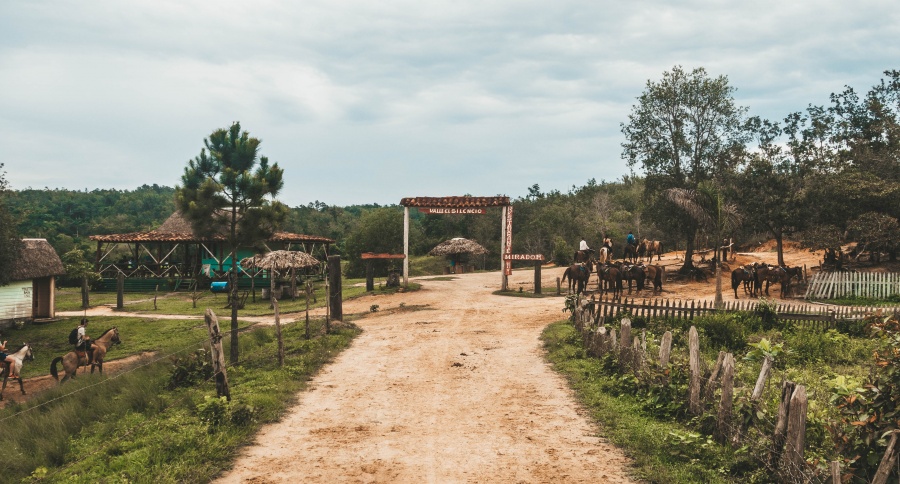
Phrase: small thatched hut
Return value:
(32, 289)
(280, 261)
(458, 250)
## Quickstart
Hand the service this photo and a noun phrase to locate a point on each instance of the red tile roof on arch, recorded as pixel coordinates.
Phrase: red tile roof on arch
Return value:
(455, 202)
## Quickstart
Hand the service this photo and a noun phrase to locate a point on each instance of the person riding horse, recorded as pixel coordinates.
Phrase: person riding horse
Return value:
(84, 341)
(584, 253)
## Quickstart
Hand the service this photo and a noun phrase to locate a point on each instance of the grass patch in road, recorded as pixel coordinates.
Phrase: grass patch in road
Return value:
(146, 425)
(643, 438)
(545, 292)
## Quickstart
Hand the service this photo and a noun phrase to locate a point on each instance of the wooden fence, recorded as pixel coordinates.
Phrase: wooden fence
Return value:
(813, 316)
(828, 285)
(787, 433)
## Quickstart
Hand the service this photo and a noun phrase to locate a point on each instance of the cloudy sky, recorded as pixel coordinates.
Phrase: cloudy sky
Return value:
(369, 102)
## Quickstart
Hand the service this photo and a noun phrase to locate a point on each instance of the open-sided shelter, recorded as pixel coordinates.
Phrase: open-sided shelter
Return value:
(31, 293)
(174, 252)
(457, 250)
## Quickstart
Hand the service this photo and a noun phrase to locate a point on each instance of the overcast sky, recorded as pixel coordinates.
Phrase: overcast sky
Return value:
(369, 102)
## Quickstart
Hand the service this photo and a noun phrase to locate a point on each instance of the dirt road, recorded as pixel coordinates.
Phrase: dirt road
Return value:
(450, 387)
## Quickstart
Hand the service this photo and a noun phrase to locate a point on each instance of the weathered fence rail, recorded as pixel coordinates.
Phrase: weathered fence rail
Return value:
(787, 433)
(810, 315)
(829, 285)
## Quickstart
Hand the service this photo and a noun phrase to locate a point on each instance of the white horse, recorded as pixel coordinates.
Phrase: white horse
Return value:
(603, 255)
(23, 354)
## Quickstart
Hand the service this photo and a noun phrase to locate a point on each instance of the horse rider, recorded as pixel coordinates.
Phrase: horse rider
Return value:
(8, 359)
(632, 241)
(583, 245)
(607, 242)
(84, 341)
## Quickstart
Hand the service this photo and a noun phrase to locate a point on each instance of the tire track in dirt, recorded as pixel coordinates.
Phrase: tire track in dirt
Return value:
(456, 392)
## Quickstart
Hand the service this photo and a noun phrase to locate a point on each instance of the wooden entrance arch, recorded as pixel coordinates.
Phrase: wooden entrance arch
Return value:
(463, 206)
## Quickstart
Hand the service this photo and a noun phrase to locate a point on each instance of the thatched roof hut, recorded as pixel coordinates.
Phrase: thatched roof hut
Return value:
(280, 260)
(457, 246)
(36, 259)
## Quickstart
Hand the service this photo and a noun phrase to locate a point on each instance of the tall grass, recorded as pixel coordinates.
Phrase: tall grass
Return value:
(135, 427)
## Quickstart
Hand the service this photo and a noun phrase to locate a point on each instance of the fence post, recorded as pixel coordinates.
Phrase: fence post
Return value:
(761, 380)
(625, 344)
(278, 332)
(787, 389)
(795, 443)
(665, 349)
(835, 468)
(887, 461)
(723, 421)
(711, 382)
(217, 355)
(694, 359)
(558, 288)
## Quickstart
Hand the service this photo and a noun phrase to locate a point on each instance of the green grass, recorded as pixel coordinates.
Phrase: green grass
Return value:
(622, 419)
(545, 292)
(136, 428)
(138, 335)
(892, 300)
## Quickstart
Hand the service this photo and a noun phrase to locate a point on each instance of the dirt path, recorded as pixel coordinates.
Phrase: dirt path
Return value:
(451, 387)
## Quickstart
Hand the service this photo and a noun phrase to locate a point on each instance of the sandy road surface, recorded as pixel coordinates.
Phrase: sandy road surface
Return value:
(452, 387)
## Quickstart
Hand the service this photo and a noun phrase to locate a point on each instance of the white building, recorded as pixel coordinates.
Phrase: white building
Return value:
(31, 293)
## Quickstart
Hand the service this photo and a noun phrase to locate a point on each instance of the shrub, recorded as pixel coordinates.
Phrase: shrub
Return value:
(190, 370)
(723, 331)
(562, 251)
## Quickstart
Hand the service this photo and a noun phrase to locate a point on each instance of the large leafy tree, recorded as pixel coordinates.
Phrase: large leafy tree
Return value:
(685, 129)
(229, 190)
(10, 244)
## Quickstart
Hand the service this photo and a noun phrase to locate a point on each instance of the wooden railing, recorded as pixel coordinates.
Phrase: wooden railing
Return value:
(829, 285)
(814, 316)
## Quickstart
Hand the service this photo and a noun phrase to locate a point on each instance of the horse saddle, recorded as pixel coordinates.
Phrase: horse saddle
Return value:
(583, 268)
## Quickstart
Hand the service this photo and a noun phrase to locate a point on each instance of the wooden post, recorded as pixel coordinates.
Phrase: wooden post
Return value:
(120, 291)
(711, 382)
(792, 458)
(694, 360)
(218, 356)
(835, 468)
(637, 355)
(155, 294)
(887, 461)
(537, 277)
(761, 380)
(406, 247)
(308, 290)
(278, 333)
(787, 389)
(558, 287)
(335, 296)
(665, 349)
(624, 343)
(723, 422)
(370, 276)
(85, 299)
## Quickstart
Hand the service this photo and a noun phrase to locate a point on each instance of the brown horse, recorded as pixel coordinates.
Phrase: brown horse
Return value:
(656, 275)
(634, 273)
(789, 274)
(630, 254)
(73, 359)
(611, 277)
(578, 275)
(583, 255)
(743, 275)
(649, 248)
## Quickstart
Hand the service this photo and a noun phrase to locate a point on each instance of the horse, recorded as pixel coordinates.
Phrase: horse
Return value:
(612, 276)
(656, 274)
(578, 275)
(604, 255)
(73, 359)
(742, 275)
(583, 255)
(630, 253)
(634, 273)
(789, 274)
(22, 355)
(650, 248)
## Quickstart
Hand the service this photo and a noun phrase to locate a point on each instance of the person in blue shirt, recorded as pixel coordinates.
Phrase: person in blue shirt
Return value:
(630, 239)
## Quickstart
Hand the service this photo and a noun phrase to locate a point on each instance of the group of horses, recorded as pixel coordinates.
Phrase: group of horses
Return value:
(646, 249)
(611, 276)
(752, 277)
(71, 361)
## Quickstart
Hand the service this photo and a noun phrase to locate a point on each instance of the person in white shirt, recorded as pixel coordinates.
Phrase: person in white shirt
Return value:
(583, 245)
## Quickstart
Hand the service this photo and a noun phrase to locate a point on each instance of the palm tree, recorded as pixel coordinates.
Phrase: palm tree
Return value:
(707, 206)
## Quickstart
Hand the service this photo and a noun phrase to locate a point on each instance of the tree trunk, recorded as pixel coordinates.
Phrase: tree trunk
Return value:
(689, 254)
(779, 246)
(233, 358)
(85, 299)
